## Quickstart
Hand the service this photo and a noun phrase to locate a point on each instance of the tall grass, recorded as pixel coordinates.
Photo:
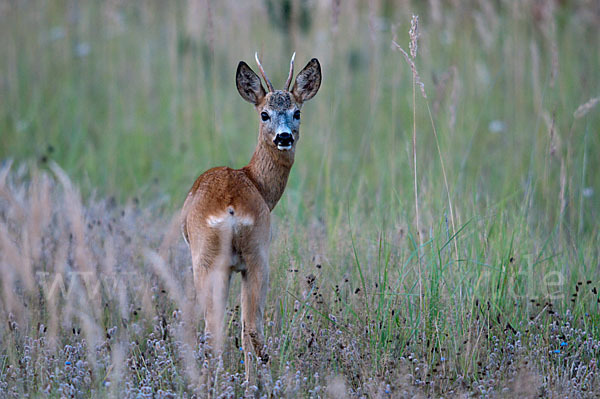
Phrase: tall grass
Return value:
(110, 110)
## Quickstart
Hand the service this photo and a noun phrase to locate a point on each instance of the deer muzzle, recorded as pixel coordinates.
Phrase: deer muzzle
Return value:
(284, 141)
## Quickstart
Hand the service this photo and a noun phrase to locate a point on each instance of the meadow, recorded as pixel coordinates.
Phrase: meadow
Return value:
(438, 237)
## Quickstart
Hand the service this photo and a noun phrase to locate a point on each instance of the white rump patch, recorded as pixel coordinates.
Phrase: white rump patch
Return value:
(245, 220)
(214, 221)
(234, 220)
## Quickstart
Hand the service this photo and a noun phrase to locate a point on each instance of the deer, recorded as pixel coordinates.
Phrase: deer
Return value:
(226, 216)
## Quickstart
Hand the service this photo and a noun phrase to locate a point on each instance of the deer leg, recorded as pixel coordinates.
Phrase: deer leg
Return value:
(255, 281)
(212, 280)
(215, 291)
(211, 257)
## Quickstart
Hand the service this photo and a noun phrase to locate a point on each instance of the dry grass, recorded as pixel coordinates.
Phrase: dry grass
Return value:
(97, 300)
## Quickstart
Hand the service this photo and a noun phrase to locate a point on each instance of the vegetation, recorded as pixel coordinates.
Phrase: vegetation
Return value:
(475, 273)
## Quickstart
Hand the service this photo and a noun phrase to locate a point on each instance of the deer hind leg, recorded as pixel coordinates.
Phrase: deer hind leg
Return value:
(212, 277)
(255, 281)
(214, 290)
(211, 257)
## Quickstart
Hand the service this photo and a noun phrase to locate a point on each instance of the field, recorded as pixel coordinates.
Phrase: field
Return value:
(438, 237)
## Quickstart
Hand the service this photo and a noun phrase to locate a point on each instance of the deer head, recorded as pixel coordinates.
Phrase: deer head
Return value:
(279, 110)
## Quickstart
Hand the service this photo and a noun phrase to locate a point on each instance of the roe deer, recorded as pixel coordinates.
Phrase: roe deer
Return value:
(226, 215)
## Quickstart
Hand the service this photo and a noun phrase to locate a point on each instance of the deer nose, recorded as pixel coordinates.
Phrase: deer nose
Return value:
(284, 141)
(285, 136)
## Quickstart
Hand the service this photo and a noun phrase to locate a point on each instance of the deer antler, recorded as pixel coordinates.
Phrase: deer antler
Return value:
(262, 72)
(291, 75)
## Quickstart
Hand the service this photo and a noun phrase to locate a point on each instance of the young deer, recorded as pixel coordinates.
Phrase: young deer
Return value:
(226, 215)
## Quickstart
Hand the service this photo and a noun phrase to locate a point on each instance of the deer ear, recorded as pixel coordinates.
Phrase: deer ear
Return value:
(248, 84)
(308, 81)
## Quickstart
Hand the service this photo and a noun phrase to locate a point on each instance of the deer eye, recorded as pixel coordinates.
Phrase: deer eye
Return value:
(297, 114)
(264, 116)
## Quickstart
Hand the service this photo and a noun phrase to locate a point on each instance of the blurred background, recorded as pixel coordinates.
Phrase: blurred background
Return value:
(135, 99)
(138, 98)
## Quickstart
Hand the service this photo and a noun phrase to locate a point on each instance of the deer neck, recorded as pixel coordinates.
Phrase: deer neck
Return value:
(269, 169)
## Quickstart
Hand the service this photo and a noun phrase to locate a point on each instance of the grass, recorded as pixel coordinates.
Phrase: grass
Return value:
(108, 111)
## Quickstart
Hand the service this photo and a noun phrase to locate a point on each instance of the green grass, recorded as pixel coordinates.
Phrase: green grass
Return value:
(135, 100)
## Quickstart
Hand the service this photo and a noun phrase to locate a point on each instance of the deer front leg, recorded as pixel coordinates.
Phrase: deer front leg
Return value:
(255, 281)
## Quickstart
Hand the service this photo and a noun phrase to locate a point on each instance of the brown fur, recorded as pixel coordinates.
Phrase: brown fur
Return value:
(226, 219)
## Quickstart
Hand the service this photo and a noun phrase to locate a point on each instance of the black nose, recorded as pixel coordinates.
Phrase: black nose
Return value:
(284, 139)
(284, 136)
